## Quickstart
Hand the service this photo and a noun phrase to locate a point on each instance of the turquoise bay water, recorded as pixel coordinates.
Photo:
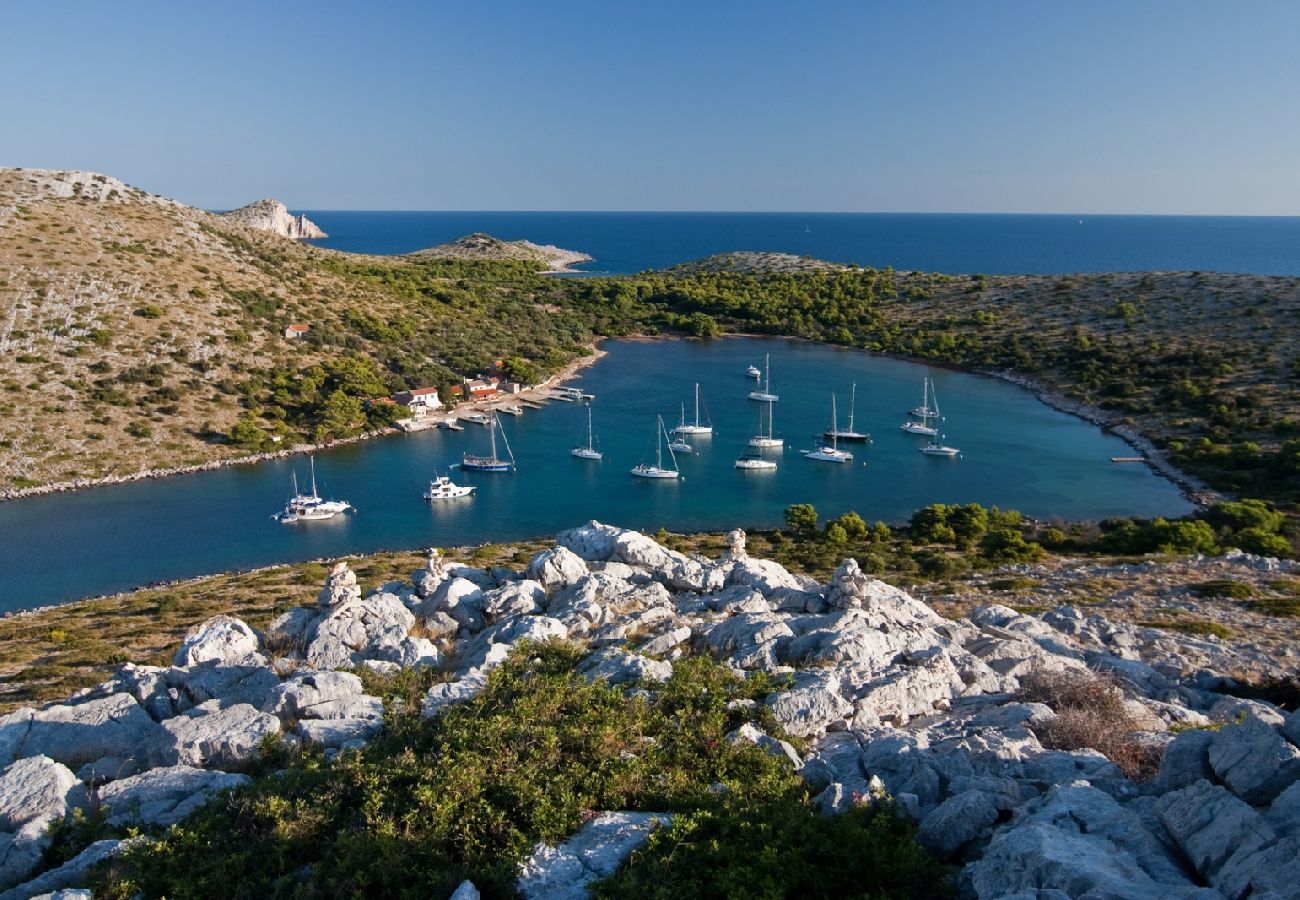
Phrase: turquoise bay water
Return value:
(1016, 453)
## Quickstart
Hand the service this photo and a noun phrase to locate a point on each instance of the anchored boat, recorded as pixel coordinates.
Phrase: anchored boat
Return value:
(442, 488)
(848, 434)
(697, 427)
(492, 462)
(924, 413)
(588, 450)
(831, 452)
(309, 507)
(765, 394)
(644, 470)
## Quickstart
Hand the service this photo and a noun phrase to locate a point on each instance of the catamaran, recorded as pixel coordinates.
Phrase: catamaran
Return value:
(697, 428)
(765, 394)
(830, 453)
(925, 412)
(645, 470)
(765, 441)
(491, 463)
(754, 372)
(442, 488)
(935, 448)
(848, 434)
(309, 507)
(588, 450)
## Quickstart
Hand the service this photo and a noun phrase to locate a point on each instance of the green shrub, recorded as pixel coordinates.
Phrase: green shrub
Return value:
(468, 793)
(1223, 587)
(149, 311)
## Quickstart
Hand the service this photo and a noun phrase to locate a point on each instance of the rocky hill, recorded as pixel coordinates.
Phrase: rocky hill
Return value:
(271, 215)
(480, 246)
(757, 263)
(1054, 753)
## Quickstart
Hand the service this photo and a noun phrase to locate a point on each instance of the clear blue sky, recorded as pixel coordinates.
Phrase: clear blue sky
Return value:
(1180, 106)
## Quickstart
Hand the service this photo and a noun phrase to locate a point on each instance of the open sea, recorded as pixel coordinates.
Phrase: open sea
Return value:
(623, 242)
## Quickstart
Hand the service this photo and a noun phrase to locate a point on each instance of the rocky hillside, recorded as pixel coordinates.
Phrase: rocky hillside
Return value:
(1054, 753)
(485, 247)
(271, 215)
(756, 263)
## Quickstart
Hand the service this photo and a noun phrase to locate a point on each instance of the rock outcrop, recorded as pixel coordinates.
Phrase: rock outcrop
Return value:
(890, 698)
(484, 246)
(271, 215)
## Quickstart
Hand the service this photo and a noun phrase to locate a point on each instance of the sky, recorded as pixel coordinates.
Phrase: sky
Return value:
(1108, 106)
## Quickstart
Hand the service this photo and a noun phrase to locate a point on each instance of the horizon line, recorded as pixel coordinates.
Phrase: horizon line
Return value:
(795, 212)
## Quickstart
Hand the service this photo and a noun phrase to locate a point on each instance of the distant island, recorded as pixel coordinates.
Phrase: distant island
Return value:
(485, 247)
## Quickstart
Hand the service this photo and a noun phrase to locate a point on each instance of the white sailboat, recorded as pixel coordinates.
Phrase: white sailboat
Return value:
(443, 488)
(924, 413)
(492, 462)
(765, 393)
(824, 452)
(755, 463)
(644, 470)
(765, 441)
(848, 434)
(587, 451)
(309, 507)
(697, 427)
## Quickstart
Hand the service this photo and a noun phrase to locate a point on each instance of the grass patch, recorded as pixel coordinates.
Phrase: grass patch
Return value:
(468, 793)
(1012, 584)
(1223, 587)
(1193, 626)
(1283, 607)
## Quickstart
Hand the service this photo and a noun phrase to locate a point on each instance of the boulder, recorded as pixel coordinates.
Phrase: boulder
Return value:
(812, 704)
(668, 567)
(221, 639)
(227, 684)
(1186, 761)
(434, 573)
(617, 666)
(1284, 813)
(750, 733)
(75, 734)
(516, 598)
(557, 567)
(459, 598)
(959, 819)
(34, 793)
(210, 735)
(338, 733)
(593, 542)
(374, 628)
(1215, 831)
(465, 891)
(851, 588)
(163, 796)
(666, 641)
(323, 695)
(750, 640)
(440, 696)
(1254, 760)
(56, 883)
(1079, 841)
(595, 851)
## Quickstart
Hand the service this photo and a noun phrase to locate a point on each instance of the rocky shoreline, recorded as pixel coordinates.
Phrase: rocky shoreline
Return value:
(889, 698)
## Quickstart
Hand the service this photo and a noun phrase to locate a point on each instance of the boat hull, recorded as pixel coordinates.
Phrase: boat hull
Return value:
(584, 453)
(918, 428)
(693, 429)
(654, 472)
(486, 465)
(764, 396)
(855, 437)
(833, 456)
(753, 464)
(766, 443)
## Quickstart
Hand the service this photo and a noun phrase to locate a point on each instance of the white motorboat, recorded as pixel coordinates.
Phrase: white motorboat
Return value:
(697, 427)
(477, 418)
(587, 450)
(492, 462)
(754, 372)
(755, 463)
(442, 488)
(309, 507)
(831, 452)
(511, 410)
(848, 434)
(645, 470)
(765, 394)
(935, 448)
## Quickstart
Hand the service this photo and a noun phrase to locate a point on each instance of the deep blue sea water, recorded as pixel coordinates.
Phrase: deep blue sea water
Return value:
(992, 244)
(1016, 453)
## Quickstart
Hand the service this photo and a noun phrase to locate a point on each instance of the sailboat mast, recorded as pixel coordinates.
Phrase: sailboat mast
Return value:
(312, 460)
(697, 404)
(659, 444)
(492, 434)
(835, 425)
(589, 439)
(853, 402)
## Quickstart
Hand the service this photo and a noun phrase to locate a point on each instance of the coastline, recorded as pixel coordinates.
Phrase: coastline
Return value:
(570, 371)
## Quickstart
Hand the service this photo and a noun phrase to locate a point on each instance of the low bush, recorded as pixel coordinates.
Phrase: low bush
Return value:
(468, 794)
(1090, 714)
(1223, 587)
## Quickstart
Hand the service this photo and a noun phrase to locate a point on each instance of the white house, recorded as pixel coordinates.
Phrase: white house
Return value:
(421, 401)
(296, 331)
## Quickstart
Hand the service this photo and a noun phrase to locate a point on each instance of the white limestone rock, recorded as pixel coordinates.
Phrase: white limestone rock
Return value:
(1254, 761)
(163, 796)
(209, 735)
(271, 215)
(812, 704)
(323, 695)
(75, 734)
(434, 573)
(666, 641)
(221, 639)
(465, 891)
(592, 542)
(57, 883)
(954, 822)
(227, 684)
(1215, 831)
(750, 733)
(616, 666)
(34, 793)
(516, 598)
(668, 567)
(750, 640)
(374, 628)
(594, 852)
(336, 733)
(1186, 760)
(440, 696)
(557, 567)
